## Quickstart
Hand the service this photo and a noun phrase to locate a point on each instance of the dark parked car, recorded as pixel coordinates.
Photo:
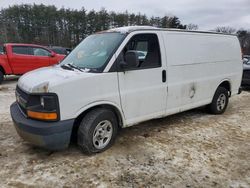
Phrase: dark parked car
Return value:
(246, 71)
(1, 49)
(60, 50)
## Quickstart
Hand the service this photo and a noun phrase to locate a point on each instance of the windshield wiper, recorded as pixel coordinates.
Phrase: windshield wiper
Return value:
(67, 67)
(74, 67)
(71, 67)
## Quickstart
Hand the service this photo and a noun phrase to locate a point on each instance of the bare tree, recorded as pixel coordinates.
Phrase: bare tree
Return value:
(244, 38)
(192, 27)
(227, 30)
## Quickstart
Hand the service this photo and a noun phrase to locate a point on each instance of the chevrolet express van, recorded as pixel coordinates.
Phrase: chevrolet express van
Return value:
(121, 77)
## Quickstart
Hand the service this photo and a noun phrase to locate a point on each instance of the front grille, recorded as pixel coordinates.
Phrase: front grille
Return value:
(22, 93)
(22, 99)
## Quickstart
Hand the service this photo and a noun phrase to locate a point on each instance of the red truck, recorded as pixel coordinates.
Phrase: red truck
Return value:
(18, 59)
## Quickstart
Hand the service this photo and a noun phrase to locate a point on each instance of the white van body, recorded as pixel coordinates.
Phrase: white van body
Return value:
(195, 63)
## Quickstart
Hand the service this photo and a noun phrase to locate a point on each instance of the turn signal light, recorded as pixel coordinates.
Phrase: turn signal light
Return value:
(42, 115)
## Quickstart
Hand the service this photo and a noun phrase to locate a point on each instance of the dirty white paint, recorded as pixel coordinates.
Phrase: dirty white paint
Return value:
(196, 63)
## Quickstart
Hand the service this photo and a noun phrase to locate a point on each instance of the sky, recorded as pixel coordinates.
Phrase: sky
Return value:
(207, 14)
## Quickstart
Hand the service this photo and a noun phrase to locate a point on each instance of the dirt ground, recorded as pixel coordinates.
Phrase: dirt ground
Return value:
(191, 149)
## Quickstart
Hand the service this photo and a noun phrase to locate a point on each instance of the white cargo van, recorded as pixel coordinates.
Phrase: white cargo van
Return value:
(121, 77)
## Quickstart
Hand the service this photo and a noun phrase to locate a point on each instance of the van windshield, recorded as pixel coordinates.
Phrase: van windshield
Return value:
(94, 52)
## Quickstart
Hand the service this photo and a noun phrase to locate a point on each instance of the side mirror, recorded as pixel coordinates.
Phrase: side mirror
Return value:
(52, 54)
(131, 60)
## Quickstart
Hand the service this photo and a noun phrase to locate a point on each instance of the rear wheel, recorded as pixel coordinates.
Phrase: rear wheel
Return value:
(220, 101)
(1, 77)
(97, 131)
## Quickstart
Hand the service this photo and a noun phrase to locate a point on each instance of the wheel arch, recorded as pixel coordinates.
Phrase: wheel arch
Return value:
(104, 104)
(226, 84)
(2, 70)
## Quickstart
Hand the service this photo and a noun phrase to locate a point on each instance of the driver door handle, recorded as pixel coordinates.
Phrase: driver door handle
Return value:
(164, 76)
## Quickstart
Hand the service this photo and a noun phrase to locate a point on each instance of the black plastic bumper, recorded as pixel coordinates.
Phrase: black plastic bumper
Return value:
(246, 78)
(239, 91)
(245, 82)
(49, 135)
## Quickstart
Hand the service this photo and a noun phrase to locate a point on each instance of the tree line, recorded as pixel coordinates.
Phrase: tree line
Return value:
(49, 25)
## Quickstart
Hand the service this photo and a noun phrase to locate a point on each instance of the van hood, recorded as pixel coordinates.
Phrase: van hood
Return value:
(41, 80)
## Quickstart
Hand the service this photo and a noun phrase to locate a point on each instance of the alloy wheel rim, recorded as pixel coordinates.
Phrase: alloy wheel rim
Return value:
(102, 134)
(221, 102)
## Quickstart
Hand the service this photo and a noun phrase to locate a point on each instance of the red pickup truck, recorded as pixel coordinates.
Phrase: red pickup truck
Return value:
(20, 58)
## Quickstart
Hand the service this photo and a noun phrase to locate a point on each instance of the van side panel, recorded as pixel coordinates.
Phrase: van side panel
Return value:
(197, 63)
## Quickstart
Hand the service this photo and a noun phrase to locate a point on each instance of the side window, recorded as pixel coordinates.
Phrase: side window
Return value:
(142, 49)
(147, 48)
(40, 51)
(22, 50)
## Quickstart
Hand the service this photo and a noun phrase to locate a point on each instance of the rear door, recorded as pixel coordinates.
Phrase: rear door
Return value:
(143, 89)
(20, 59)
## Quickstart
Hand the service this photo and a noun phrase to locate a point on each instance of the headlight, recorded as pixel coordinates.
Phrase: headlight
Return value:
(48, 103)
(41, 88)
(43, 107)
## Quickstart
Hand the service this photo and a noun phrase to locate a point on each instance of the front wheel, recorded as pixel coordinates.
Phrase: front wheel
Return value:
(220, 101)
(97, 131)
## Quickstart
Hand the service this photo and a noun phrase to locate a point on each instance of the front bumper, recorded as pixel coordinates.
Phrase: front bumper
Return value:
(240, 90)
(245, 82)
(48, 135)
(246, 78)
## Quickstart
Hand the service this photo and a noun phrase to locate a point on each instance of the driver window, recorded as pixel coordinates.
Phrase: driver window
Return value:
(40, 52)
(147, 48)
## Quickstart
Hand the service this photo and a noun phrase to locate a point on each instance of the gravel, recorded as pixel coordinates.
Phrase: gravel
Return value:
(190, 149)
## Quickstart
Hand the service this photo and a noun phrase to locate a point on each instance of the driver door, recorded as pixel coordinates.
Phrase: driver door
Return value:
(143, 89)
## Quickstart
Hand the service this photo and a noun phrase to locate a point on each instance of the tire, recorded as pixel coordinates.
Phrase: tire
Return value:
(220, 101)
(97, 131)
(1, 77)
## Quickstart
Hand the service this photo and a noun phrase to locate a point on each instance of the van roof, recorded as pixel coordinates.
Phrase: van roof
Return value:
(129, 29)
